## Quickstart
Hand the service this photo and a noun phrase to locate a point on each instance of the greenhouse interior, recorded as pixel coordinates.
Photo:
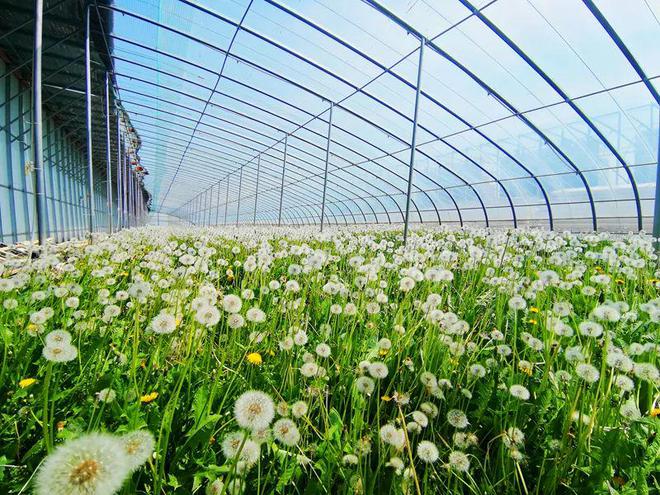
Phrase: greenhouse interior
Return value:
(330, 247)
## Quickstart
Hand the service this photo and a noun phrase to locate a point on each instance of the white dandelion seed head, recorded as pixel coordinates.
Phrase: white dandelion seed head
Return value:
(255, 315)
(60, 353)
(393, 436)
(138, 446)
(457, 419)
(365, 385)
(231, 303)
(459, 461)
(91, 464)
(378, 370)
(235, 321)
(587, 372)
(427, 452)
(286, 432)
(519, 392)
(58, 337)
(254, 410)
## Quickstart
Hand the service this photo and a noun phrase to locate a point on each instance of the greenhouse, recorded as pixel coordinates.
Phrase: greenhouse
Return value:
(338, 247)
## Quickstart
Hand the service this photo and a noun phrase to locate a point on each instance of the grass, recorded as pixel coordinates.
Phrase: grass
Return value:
(547, 343)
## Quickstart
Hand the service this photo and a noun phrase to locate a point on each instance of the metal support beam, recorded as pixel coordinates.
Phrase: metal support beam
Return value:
(217, 205)
(227, 200)
(119, 173)
(107, 152)
(88, 121)
(36, 129)
(256, 192)
(238, 206)
(279, 215)
(413, 143)
(325, 174)
(656, 213)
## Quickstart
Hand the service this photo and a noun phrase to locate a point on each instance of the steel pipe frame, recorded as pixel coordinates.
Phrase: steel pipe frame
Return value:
(614, 36)
(217, 82)
(413, 144)
(256, 192)
(107, 153)
(325, 175)
(387, 70)
(88, 117)
(279, 76)
(214, 165)
(261, 109)
(213, 142)
(302, 110)
(224, 130)
(40, 192)
(548, 202)
(27, 62)
(119, 172)
(500, 34)
(319, 67)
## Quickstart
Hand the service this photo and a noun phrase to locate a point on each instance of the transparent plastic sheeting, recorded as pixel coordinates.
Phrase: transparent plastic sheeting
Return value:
(539, 112)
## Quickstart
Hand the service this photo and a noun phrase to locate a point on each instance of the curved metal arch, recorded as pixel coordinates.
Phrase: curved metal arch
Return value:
(271, 202)
(566, 99)
(387, 70)
(248, 180)
(281, 77)
(337, 191)
(400, 22)
(385, 210)
(614, 36)
(317, 66)
(349, 211)
(279, 100)
(333, 172)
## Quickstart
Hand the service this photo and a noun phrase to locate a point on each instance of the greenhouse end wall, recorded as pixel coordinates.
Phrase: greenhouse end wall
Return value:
(65, 172)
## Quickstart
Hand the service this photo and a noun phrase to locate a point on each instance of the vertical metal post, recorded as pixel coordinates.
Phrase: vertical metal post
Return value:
(413, 144)
(279, 215)
(88, 120)
(227, 200)
(256, 192)
(119, 193)
(207, 209)
(217, 204)
(656, 213)
(327, 159)
(131, 196)
(210, 208)
(238, 206)
(107, 153)
(120, 180)
(40, 192)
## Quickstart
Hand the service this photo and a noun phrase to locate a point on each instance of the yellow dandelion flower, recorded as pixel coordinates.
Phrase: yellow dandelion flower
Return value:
(533, 309)
(254, 358)
(655, 412)
(386, 398)
(619, 281)
(61, 425)
(382, 352)
(26, 382)
(145, 399)
(532, 321)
